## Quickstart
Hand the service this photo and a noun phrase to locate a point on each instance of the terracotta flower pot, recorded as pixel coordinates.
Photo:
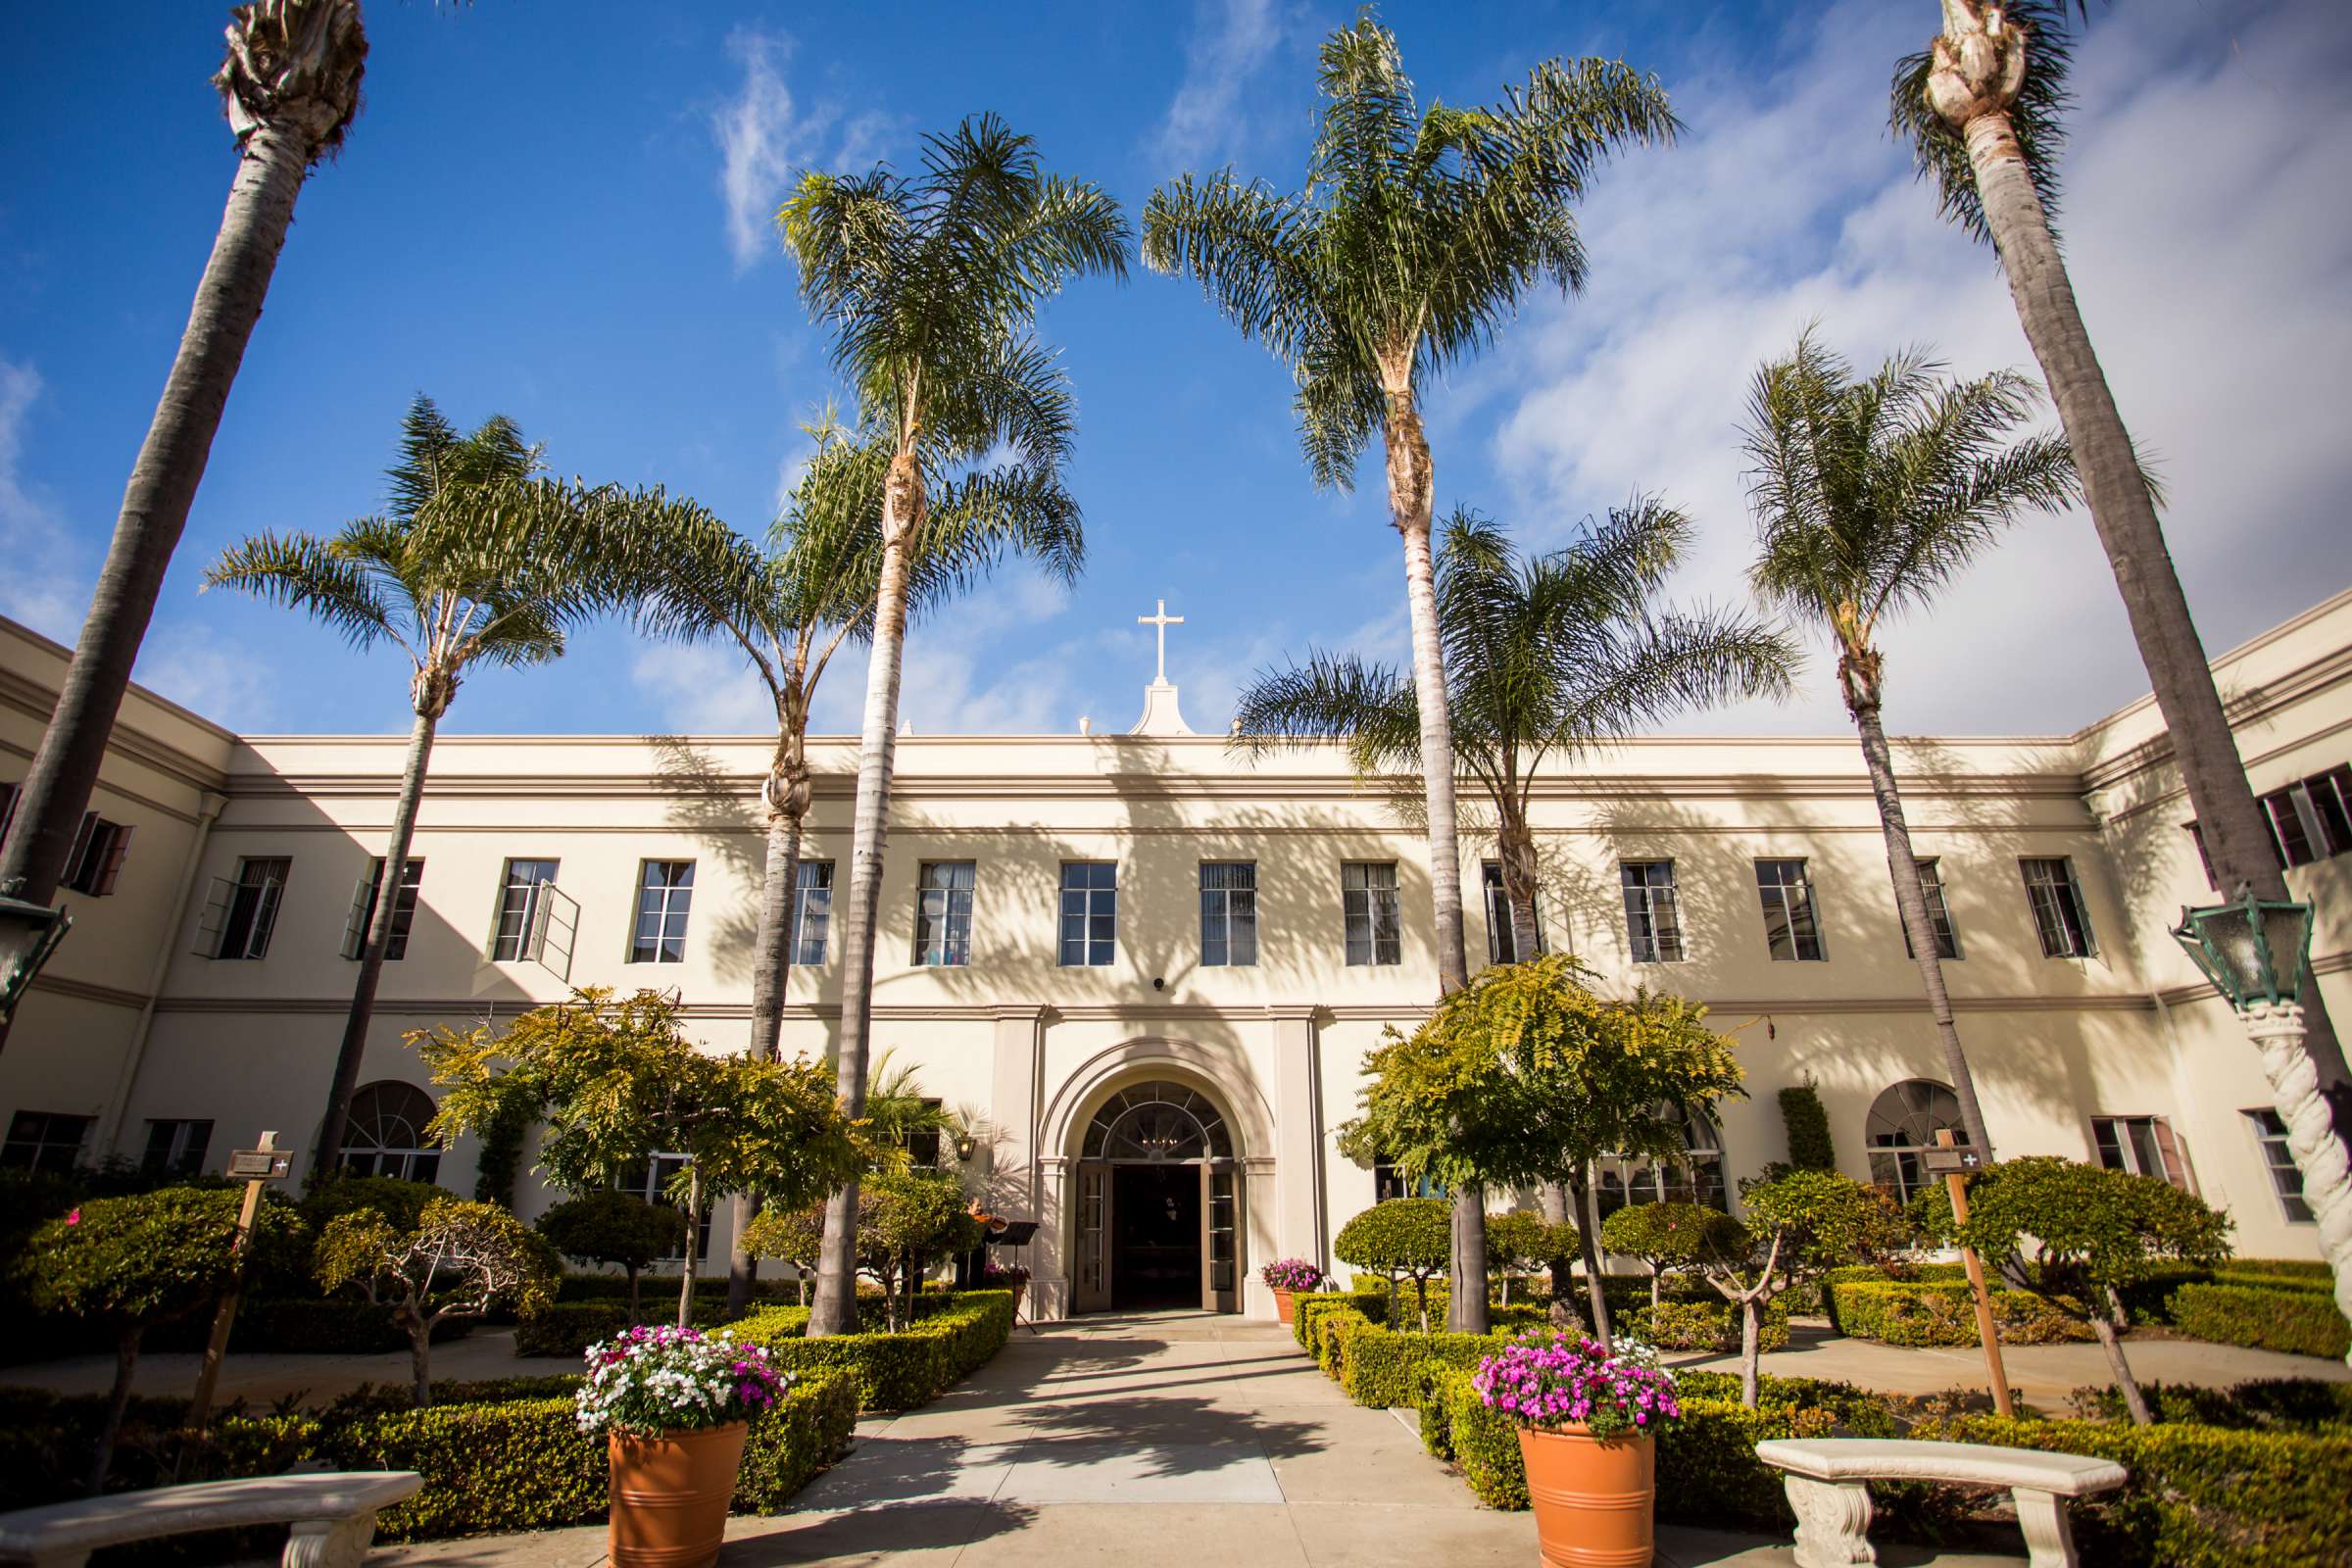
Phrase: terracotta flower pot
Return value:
(670, 1495)
(1282, 1303)
(1593, 1498)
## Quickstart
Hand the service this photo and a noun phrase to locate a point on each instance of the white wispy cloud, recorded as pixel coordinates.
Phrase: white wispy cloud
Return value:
(761, 141)
(43, 585)
(2212, 268)
(704, 689)
(1232, 39)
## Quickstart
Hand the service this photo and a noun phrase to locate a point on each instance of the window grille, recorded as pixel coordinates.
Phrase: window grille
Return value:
(1227, 913)
(811, 911)
(1653, 912)
(1090, 912)
(2059, 916)
(1791, 928)
(1374, 924)
(665, 897)
(1940, 916)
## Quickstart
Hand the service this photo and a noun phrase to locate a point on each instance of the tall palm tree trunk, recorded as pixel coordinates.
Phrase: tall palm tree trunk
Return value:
(372, 953)
(835, 1309)
(1412, 484)
(1515, 848)
(1912, 904)
(771, 974)
(2237, 838)
(56, 789)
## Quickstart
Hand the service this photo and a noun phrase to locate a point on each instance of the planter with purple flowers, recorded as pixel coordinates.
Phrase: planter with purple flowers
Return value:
(1586, 1419)
(677, 1404)
(1288, 1276)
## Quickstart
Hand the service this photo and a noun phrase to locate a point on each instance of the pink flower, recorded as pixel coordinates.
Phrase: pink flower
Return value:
(73, 1218)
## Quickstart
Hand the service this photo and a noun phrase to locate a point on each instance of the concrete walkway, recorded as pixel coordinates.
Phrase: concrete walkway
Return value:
(1163, 1441)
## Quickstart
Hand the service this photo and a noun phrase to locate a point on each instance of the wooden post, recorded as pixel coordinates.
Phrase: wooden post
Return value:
(1986, 1334)
(208, 1378)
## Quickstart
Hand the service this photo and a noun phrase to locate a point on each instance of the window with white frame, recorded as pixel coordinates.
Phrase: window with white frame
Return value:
(1939, 914)
(44, 1140)
(242, 912)
(96, 857)
(1791, 926)
(1227, 913)
(1696, 1177)
(1089, 913)
(2286, 1178)
(403, 910)
(2310, 820)
(2144, 1146)
(1374, 918)
(524, 908)
(943, 913)
(1901, 1128)
(1503, 941)
(387, 1135)
(2060, 917)
(1653, 912)
(664, 899)
(811, 911)
(177, 1148)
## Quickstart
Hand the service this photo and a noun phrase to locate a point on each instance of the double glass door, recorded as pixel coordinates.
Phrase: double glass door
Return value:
(1154, 1235)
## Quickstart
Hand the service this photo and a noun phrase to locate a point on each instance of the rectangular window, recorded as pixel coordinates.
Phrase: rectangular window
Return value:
(523, 911)
(1373, 920)
(2270, 1135)
(2144, 1146)
(1090, 912)
(403, 910)
(943, 913)
(2310, 819)
(922, 1146)
(1388, 1182)
(240, 914)
(41, 1139)
(177, 1148)
(1653, 912)
(1790, 926)
(653, 1185)
(1939, 914)
(1502, 946)
(1227, 913)
(96, 857)
(811, 910)
(2059, 913)
(664, 895)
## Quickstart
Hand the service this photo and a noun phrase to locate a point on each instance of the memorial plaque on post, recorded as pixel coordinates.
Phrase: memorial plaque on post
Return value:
(261, 1164)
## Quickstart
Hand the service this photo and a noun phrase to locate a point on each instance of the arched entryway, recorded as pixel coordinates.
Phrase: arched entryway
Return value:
(1158, 1200)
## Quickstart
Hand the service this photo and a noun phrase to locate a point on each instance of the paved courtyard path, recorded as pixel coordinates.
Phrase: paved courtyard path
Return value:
(1161, 1440)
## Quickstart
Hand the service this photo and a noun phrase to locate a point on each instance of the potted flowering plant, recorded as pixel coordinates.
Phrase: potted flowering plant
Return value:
(677, 1404)
(1586, 1417)
(996, 1276)
(1287, 1276)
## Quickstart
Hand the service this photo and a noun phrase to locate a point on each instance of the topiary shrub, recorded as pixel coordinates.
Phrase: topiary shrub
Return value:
(127, 1265)
(1665, 1237)
(610, 1226)
(459, 1260)
(1944, 1312)
(1409, 1238)
(1691, 1325)
(1808, 1125)
(1524, 1242)
(2297, 1322)
(398, 1203)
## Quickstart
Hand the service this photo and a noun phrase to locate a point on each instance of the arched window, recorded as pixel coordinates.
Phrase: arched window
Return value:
(1903, 1123)
(1160, 1122)
(1620, 1181)
(385, 1136)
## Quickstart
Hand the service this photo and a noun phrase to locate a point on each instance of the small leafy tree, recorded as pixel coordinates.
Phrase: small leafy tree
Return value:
(1525, 1242)
(131, 1263)
(1410, 1238)
(617, 1228)
(1799, 1225)
(1664, 1236)
(618, 1081)
(2095, 1232)
(906, 1222)
(1527, 1076)
(461, 1260)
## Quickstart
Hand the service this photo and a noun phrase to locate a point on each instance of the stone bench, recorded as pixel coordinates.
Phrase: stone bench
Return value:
(333, 1515)
(1826, 1476)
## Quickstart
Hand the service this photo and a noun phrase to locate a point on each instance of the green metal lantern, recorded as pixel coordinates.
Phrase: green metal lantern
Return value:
(29, 933)
(2254, 949)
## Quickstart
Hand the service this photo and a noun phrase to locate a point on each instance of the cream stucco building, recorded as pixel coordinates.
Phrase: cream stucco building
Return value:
(1167, 1116)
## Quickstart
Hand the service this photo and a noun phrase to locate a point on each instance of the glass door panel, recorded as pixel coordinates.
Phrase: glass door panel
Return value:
(1221, 1238)
(1094, 1238)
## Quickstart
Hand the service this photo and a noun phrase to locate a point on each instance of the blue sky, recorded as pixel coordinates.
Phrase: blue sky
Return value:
(560, 213)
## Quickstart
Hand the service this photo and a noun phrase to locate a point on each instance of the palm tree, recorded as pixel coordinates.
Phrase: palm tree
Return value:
(1411, 245)
(1870, 495)
(290, 85)
(476, 561)
(1547, 657)
(1984, 108)
(931, 286)
(789, 609)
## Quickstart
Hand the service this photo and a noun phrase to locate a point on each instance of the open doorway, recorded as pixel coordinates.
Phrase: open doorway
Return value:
(1155, 1246)
(1158, 1202)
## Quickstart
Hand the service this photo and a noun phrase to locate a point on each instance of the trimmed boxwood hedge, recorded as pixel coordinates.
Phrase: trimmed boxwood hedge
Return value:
(1698, 1324)
(1940, 1313)
(2301, 1322)
(1379, 1367)
(568, 1328)
(951, 1335)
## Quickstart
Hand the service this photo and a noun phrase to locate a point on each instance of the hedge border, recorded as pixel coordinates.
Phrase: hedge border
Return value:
(1939, 1312)
(952, 1335)
(2260, 1318)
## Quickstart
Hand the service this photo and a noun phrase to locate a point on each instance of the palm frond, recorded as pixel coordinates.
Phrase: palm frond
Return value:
(1939, 154)
(303, 572)
(1332, 696)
